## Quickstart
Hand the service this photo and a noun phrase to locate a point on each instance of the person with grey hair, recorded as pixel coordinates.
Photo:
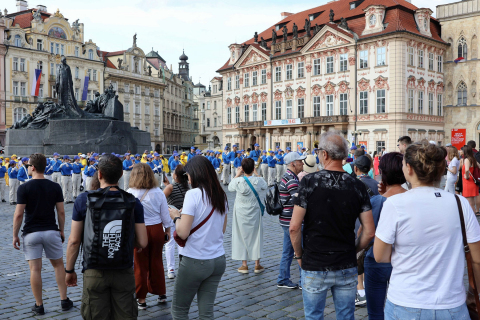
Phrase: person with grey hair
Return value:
(328, 257)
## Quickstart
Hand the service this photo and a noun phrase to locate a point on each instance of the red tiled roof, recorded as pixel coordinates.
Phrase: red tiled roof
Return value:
(24, 20)
(115, 53)
(110, 64)
(218, 78)
(399, 16)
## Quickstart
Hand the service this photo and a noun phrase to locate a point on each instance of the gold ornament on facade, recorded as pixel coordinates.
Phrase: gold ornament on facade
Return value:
(58, 14)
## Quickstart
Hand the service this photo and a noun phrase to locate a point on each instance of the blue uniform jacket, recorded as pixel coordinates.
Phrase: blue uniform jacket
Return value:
(66, 169)
(190, 156)
(89, 171)
(237, 162)
(225, 158)
(272, 161)
(150, 163)
(12, 173)
(49, 168)
(264, 160)
(216, 163)
(3, 170)
(77, 167)
(174, 164)
(22, 174)
(158, 166)
(255, 154)
(127, 164)
(56, 165)
(280, 157)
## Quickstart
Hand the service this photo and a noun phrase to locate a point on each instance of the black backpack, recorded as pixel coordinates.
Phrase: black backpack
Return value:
(109, 230)
(273, 205)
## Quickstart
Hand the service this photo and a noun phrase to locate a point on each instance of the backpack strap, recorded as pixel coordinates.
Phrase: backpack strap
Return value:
(262, 208)
(202, 223)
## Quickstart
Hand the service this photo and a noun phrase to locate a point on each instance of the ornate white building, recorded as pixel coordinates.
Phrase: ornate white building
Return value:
(305, 75)
(210, 106)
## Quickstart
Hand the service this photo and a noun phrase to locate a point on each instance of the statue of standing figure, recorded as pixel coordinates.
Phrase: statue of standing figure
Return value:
(285, 33)
(295, 31)
(135, 40)
(255, 37)
(64, 89)
(274, 37)
(307, 27)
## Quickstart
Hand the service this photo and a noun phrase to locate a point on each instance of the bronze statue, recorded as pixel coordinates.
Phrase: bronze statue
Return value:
(274, 37)
(64, 89)
(295, 31)
(285, 33)
(307, 27)
(149, 70)
(343, 23)
(263, 43)
(331, 15)
(255, 37)
(120, 61)
(135, 40)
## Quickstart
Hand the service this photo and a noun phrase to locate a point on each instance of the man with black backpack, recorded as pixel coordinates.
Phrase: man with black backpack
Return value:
(109, 222)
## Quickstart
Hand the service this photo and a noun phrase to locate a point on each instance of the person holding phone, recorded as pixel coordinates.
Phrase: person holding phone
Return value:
(148, 262)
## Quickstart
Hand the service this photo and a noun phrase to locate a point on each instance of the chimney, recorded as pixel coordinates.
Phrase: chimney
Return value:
(286, 14)
(42, 8)
(22, 5)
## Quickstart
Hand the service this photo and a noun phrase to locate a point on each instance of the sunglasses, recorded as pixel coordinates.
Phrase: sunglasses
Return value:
(28, 165)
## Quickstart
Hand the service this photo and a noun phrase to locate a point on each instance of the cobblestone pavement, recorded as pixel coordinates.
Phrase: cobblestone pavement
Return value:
(240, 296)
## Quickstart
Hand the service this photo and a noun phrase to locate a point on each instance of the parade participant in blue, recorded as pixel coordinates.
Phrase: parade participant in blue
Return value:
(12, 182)
(49, 170)
(217, 161)
(127, 169)
(96, 156)
(77, 176)
(225, 179)
(3, 171)
(150, 162)
(172, 157)
(138, 158)
(23, 171)
(276, 149)
(272, 170)
(237, 163)
(175, 162)
(191, 154)
(231, 156)
(264, 166)
(66, 171)
(89, 172)
(56, 176)
(158, 169)
(255, 153)
(212, 156)
(280, 165)
(287, 151)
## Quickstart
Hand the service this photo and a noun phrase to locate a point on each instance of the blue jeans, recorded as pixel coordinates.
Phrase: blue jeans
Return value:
(342, 283)
(376, 282)
(287, 257)
(394, 312)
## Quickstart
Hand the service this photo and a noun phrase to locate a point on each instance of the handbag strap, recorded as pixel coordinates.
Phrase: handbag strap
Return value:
(468, 255)
(202, 223)
(143, 197)
(254, 192)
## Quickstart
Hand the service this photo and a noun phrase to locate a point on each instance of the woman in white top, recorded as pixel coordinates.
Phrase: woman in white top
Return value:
(202, 260)
(419, 232)
(452, 169)
(148, 263)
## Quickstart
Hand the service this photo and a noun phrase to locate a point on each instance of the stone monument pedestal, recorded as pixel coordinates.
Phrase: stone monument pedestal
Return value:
(71, 136)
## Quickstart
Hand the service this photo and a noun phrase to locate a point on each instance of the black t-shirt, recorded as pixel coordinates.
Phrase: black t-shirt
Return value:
(333, 201)
(40, 197)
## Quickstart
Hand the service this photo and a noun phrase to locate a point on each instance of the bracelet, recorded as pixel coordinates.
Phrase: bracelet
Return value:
(175, 219)
(69, 271)
(297, 258)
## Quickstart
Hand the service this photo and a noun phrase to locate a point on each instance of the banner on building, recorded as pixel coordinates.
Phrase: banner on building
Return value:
(284, 122)
(363, 143)
(458, 138)
(85, 88)
(36, 83)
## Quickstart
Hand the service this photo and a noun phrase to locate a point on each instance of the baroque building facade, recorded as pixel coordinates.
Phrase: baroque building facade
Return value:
(210, 106)
(3, 51)
(459, 21)
(36, 40)
(372, 71)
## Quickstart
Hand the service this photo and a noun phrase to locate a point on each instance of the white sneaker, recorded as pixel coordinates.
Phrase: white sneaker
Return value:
(171, 274)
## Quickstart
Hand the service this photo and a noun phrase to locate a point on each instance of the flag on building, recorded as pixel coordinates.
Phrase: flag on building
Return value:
(459, 59)
(36, 82)
(85, 88)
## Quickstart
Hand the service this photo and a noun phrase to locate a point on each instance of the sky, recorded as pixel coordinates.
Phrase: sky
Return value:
(204, 29)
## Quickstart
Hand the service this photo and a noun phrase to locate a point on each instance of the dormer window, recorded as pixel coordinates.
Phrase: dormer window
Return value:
(373, 20)
(314, 16)
(422, 18)
(352, 5)
(374, 15)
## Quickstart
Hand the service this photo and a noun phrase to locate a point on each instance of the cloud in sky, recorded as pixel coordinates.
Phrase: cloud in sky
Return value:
(203, 28)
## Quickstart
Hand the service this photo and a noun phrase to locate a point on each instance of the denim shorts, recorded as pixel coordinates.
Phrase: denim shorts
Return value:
(394, 312)
(49, 241)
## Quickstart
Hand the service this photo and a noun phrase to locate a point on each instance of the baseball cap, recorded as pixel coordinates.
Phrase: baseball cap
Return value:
(234, 146)
(95, 155)
(137, 155)
(192, 148)
(304, 148)
(363, 163)
(310, 164)
(12, 162)
(256, 145)
(26, 159)
(156, 154)
(293, 156)
(83, 155)
(149, 156)
(264, 151)
(64, 157)
(239, 151)
(91, 159)
(54, 154)
(76, 157)
(126, 154)
(289, 149)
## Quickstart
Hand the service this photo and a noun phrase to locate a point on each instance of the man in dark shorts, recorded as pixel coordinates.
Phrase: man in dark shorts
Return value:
(38, 198)
(107, 294)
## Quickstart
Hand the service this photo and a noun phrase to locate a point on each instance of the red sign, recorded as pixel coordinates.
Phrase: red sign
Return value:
(458, 139)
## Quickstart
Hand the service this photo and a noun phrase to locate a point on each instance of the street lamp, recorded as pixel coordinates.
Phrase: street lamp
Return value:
(355, 133)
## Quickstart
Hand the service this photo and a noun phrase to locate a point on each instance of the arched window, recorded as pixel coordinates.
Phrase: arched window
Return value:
(90, 54)
(462, 48)
(19, 114)
(18, 41)
(462, 94)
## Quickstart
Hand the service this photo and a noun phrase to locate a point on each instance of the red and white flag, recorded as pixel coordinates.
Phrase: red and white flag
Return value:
(36, 82)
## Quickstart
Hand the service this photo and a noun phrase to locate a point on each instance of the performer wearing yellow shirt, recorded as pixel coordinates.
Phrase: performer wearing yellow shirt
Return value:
(166, 169)
(184, 158)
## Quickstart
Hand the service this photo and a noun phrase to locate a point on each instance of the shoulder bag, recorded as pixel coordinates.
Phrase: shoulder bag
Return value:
(182, 242)
(262, 207)
(473, 303)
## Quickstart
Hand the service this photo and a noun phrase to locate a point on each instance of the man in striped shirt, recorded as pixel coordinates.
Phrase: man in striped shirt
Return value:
(288, 189)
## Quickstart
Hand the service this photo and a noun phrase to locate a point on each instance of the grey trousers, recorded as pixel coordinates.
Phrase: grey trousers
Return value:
(197, 277)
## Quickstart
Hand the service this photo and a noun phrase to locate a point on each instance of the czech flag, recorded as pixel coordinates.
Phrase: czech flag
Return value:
(36, 82)
(459, 59)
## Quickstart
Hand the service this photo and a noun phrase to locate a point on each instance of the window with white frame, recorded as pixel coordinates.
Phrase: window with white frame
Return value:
(137, 89)
(381, 56)
(254, 78)
(462, 94)
(420, 58)
(301, 70)
(77, 52)
(89, 95)
(246, 80)
(255, 112)
(77, 93)
(22, 64)
(40, 91)
(147, 109)
(89, 73)
(439, 105)
(208, 122)
(19, 114)
(157, 110)
(95, 77)
(62, 49)
(229, 83)
(53, 90)
(329, 64)
(18, 41)
(156, 131)
(363, 59)
(147, 128)
(229, 115)
(208, 105)
(237, 81)
(15, 64)
(278, 73)
(439, 63)
(52, 69)
(264, 76)
(411, 101)
(127, 88)
(23, 89)
(431, 61)
(52, 45)
(247, 113)
(411, 56)
(301, 107)
(237, 114)
(316, 67)
(264, 111)
(214, 105)
(329, 104)
(90, 54)
(289, 109)
(77, 72)
(343, 104)
(316, 106)
(15, 88)
(343, 62)
(214, 122)
(364, 102)
(420, 102)
(39, 45)
(430, 104)
(127, 107)
(278, 110)
(289, 72)
(57, 48)
(381, 101)
(137, 108)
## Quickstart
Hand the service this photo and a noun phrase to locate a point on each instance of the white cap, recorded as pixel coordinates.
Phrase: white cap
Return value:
(83, 156)
(293, 156)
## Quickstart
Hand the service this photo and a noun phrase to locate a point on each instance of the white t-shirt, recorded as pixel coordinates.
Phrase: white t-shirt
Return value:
(454, 163)
(428, 259)
(207, 242)
(155, 207)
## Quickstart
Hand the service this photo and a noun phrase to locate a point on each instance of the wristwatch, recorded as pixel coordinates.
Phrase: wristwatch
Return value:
(297, 258)
(69, 271)
(175, 219)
